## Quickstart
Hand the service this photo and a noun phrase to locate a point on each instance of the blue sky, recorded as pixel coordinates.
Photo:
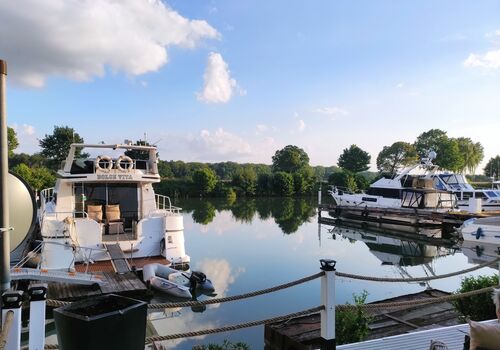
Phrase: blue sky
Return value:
(237, 80)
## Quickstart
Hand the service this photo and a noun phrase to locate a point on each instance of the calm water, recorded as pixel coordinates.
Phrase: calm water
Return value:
(254, 244)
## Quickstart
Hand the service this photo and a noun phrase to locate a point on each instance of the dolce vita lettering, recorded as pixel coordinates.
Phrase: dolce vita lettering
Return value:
(114, 177)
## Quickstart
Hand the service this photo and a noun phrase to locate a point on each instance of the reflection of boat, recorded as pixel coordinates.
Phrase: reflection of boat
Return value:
(412, 188)
(478, 252)
(177, 283)
(102, 202)
(484, 230)
(391, 250)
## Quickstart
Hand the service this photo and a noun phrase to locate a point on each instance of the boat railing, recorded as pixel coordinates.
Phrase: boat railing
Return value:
(164, 203)
(61, 215)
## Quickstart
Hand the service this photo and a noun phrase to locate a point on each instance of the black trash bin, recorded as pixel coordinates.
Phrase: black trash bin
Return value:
(104, 322)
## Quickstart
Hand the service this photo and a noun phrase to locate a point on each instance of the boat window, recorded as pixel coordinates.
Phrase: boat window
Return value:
(479, 194)
(467, 195)
(491, 194)
(384, 192)
(368, 199)
(82, 166)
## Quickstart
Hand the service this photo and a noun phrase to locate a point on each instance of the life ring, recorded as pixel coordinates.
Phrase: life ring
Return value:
(124, 163)
(107, 162)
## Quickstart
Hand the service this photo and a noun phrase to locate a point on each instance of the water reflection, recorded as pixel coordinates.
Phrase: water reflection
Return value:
(288, 213)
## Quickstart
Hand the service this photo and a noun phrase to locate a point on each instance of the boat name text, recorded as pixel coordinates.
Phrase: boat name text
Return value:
(114, 177)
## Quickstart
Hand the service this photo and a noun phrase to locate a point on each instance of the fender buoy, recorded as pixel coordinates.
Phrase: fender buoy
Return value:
(124, 163)
(104, 163)
(479, 233)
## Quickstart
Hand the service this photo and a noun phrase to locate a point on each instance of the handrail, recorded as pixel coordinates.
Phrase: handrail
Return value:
(164, 203)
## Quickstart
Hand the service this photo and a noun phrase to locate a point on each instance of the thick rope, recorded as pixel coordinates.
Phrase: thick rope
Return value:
(51, 346)
(417, 302)
(233, 327)
(57, 303)
(9, 318)
(417, 279)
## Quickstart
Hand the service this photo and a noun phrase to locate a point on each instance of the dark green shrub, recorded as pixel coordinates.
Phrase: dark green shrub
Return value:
(478, 307)
(352, 325)
(226, 345)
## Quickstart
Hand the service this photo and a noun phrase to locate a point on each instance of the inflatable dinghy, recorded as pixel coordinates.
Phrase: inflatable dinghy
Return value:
(177, 283)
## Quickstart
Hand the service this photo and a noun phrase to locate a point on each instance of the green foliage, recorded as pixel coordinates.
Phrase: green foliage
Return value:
(226, 345)
(56, 146)
(346, 179)
(205, 180)
(265, 184)
(492, 168)
(290, 214)
(458, 155)
(298, 183)
(138, 154)
(362, 181)
(35, 160)
(283, 183)
(246, 179)
(478, 307)
(392, 158)
(37, 178)
(354, 159)
(290, 159)
(472, 153)
(352, 325)
(12, 142)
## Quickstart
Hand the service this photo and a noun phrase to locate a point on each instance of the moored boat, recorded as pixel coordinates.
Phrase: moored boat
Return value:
(108, 200)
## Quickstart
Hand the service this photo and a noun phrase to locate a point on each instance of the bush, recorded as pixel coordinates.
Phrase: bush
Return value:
(478, 307)
(352, 325)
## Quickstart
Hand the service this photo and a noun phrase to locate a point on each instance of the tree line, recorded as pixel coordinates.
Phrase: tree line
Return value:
(289, 173)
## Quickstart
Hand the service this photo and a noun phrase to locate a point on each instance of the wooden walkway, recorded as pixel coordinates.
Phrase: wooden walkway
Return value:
(127, 284)
(118, 258)
(304, 332)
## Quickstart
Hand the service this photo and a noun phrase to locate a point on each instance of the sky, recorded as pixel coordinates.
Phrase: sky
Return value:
(226, 80)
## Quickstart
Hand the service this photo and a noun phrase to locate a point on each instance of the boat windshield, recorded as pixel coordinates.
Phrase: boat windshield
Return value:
(455, 181)
(493, 194)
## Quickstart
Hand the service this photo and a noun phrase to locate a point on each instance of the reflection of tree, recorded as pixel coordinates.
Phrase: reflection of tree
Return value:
(244, 210)
(264, 207)
(204, 214)
(292, 213)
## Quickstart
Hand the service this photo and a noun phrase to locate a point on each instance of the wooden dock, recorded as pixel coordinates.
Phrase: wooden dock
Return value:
(400, 216)
(303, 333)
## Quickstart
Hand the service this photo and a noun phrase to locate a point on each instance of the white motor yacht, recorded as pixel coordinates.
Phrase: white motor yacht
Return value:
(108, 202)
(413, 187)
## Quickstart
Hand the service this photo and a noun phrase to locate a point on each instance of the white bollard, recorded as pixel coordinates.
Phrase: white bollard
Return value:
(12, 301)
(328, 301)
(38, 295)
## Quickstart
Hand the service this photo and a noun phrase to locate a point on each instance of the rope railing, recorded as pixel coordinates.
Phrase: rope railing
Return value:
(233, 327)
(417, 279)
(417, 302)
(57, 303)
(7, 324)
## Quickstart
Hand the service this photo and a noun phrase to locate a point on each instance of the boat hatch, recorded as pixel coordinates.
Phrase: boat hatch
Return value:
(125, 195)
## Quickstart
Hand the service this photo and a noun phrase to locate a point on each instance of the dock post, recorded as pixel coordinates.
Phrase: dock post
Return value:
(12, 301)
(4, 173)
(328, 301)
(37, 296)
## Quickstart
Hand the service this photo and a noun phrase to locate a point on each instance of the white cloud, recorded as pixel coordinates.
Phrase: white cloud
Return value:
(27, 138)
(490, 59)
(262, 127)
(399, 86)
(219, 87)
(331, 110)
(219, 144)
(301, 125)
(80, 40)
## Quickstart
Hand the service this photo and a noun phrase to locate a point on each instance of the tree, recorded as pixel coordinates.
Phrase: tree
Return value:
(492, 167)
(264, 183)
(205, 180)
(246, 179)
(283, 183)
(447, 149)
(56, 146)
(392, 158)
(290, 159)
(472, 153)
(38, 177)
(354, 159)
(12, 142)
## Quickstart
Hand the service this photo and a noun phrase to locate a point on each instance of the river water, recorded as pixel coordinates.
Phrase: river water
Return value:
(252, 244)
